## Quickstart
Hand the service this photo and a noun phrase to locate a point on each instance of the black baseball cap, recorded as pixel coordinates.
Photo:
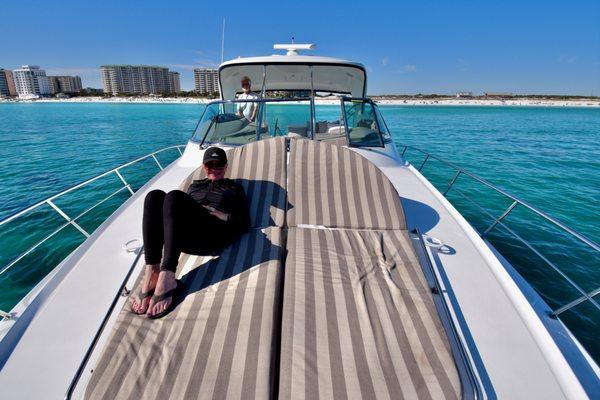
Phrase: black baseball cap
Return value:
(214, 154)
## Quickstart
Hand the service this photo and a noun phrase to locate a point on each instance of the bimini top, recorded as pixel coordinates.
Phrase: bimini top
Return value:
(293, 72)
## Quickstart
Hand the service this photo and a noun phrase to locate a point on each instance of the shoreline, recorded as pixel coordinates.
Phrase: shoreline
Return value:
(449, 102)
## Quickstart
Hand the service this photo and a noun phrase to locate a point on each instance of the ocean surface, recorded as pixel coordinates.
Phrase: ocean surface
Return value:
(548, 157)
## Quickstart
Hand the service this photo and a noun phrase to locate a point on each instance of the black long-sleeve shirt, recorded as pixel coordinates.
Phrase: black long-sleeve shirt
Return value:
(224, 195)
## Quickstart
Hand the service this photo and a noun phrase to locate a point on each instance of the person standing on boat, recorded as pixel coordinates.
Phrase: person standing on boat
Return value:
(211, 215)
(247, 110)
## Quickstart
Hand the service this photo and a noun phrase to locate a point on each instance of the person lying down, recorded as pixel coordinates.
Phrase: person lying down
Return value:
(211, 215)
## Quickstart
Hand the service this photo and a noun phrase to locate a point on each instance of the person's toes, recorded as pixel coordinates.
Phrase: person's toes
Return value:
(158, 308)
(149, 309)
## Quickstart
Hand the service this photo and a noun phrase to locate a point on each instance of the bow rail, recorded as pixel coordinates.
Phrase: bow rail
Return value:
(497, 221)
(50, 201)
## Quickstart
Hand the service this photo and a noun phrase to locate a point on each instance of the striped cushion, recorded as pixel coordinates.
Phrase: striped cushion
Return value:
(260, 168)
(219, 341)
(359, 320)
(334, 186)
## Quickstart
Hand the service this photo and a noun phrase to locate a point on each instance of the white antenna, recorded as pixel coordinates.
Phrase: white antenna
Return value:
(292, 49)
(223, 41)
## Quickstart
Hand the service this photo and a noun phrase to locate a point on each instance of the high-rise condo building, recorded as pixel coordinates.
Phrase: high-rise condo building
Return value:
(206, 80)
(174, 83)
(31, 81)
(65, 84)
(135, 79)
(7, 83)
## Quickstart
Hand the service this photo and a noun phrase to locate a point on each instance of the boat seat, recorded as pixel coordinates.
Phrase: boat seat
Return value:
(334, 186)
(298, 130)
(218, 342)
(260, 168)
(334, 139)
(358, 320)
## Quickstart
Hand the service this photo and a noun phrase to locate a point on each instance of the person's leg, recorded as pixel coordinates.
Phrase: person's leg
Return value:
(182, 217)
(212, 236)
(183, 223)
(152, 228)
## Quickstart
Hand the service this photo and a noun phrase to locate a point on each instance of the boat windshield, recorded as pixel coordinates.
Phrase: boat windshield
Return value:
(365, 126)
(238, 122)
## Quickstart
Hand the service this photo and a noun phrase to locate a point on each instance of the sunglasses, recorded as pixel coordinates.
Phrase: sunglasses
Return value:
(214, 165)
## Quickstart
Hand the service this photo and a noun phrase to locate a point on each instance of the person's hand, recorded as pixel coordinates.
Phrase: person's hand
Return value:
(219, 214)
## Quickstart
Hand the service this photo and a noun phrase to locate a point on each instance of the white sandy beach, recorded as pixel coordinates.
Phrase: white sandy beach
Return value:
(490, 102)
(524, 102)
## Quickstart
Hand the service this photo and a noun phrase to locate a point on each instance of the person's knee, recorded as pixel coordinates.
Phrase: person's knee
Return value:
(174, 201)
(154, 197)
(175, 195)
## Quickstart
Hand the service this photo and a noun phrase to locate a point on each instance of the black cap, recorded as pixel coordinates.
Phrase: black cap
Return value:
(214, 154)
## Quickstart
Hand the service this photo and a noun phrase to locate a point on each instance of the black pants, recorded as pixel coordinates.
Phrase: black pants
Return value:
(180, 224)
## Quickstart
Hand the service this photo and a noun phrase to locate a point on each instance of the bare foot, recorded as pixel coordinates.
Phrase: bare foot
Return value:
(141, 300)
(166, 282)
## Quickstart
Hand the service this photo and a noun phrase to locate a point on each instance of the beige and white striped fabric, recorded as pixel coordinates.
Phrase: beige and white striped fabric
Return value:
(334, 186)
(260, 168)
(359, 321)
(219, 341)
(353, 319)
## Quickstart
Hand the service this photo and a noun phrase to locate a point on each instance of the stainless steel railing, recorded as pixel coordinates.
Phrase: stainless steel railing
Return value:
(50, 201)
(497, 221)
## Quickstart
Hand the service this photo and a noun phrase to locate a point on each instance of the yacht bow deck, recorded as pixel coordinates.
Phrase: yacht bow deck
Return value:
(324, 297)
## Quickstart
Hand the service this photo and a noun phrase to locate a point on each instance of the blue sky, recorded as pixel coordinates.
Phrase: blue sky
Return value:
(408, 47)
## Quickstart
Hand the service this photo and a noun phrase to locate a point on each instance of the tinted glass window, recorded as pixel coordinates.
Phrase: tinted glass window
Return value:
(361, 119)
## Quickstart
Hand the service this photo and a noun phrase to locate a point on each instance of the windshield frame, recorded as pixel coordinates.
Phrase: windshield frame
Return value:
(311, 103)
(343, 100)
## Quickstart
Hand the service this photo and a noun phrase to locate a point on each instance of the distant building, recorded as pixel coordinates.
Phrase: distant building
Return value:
(65, 84)
(464, 94)
(7, 83)
(31, 82)
(498, 94)
(10, 80)
(174, 83)
(54, 85)
(206, 80)
(135, 79)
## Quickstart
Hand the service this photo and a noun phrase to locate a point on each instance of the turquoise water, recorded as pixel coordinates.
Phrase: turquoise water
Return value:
(548, 157)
